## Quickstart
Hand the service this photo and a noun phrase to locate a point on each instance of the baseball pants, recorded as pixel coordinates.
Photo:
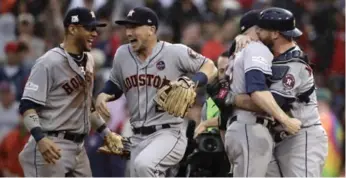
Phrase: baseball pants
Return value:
(301, 155)
(74, 161)
(249, 147)
(152, 155)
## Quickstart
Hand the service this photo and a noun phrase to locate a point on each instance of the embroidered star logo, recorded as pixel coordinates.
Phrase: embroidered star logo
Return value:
(130, 13)
(92, 14)
(74, 19)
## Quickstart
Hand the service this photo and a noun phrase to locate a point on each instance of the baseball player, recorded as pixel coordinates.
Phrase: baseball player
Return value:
(292, 85)
(56, 103)
(248, 142)
(140, 69)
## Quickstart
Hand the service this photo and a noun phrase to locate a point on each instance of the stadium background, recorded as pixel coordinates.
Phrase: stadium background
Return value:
(30, 27)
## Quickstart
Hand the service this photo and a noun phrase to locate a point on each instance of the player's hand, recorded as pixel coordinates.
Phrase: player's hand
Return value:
(202, 127)
(101, 104)
(49, 150)
(292, 125)
(242, 41)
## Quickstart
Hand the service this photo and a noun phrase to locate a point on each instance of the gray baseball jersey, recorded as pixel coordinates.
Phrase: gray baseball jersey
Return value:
(153, 154)
(248, 145)
(64, 89)
(308, 149)
(140, 80)
(256, 56)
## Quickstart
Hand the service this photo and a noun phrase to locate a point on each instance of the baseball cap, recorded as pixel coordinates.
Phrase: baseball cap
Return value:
(249, 19)
(140, 16)
(82, 16)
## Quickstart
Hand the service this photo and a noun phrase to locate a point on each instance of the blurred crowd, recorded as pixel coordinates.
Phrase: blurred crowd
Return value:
(28, 28)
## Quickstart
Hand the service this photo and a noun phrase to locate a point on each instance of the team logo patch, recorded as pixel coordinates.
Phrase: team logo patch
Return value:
(288, 81)
(160, 65)
(31, 86)
(74, 19)
(192, 53)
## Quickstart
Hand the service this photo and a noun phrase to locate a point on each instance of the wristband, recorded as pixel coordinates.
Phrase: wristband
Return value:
(200, 78)
(37, 133)
(101, 128)
(105, 132)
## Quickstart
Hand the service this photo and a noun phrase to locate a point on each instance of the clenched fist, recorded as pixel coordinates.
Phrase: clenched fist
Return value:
(292, 125)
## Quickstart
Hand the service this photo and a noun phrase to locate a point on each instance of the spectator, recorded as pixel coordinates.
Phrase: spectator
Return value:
(7, 29)
(214, 46)
(191, 36)
(181, 13)
(14, 70)
(8, 109)
(10, 148)
(36, 45)
(90, 4)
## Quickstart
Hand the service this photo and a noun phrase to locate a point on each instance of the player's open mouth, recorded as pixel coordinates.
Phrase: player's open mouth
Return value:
(90, 42)
(133, 41)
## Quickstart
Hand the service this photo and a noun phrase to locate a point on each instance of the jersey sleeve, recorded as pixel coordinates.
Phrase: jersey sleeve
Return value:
(116, 74)
(38, 84)
(189, 61)
(290, 85)
(257, 57)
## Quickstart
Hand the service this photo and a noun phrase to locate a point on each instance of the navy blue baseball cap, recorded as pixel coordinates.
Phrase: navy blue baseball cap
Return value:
(82, 16)
(249, 19)
(140, 16)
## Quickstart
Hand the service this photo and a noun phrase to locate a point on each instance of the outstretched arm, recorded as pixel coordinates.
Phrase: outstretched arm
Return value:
(244, 101)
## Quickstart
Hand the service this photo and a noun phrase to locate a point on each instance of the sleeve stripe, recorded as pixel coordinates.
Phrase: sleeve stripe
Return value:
(281, 94)
(114, 81)
(269, 72)
(204, 61)
(34, 100)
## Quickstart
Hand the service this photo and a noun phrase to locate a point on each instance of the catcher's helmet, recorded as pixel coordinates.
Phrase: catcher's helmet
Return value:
(279, 19)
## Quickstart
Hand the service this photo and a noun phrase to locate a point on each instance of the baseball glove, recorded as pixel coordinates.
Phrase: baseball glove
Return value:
(177, 97)
(116, 145)
(219, 91)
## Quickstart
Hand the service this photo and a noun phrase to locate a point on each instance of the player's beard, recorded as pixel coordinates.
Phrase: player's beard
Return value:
(268, 42)
(82, 44)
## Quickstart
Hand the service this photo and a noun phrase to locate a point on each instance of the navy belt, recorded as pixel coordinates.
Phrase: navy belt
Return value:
(75, 137)
(259, 120)
(149, 129)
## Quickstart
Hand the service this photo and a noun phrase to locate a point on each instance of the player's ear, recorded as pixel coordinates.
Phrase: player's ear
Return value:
(72, 29)
(275, 35)
(152, 30)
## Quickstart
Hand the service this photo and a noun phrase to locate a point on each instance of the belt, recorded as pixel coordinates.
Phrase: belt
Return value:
(281, 135)
(303, 127)
(259, 120)
(149, 129)
(78, 138)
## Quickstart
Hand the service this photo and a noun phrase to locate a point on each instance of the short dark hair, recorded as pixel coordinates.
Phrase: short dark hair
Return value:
(225, 54)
